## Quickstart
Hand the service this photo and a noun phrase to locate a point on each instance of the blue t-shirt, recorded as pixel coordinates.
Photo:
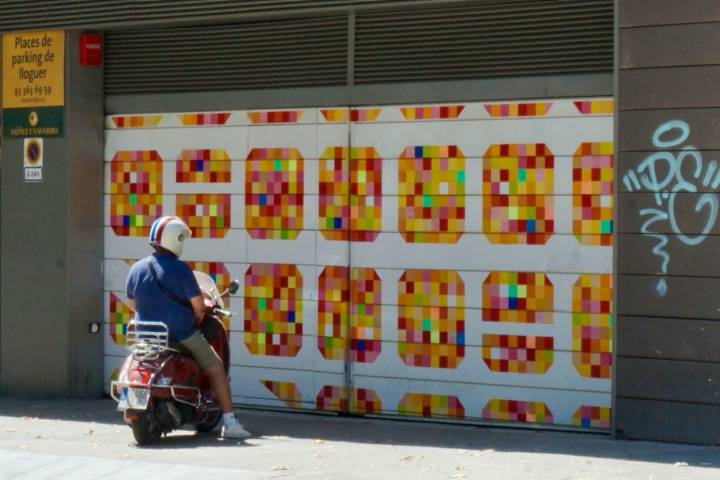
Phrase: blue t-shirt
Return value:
(152, 304)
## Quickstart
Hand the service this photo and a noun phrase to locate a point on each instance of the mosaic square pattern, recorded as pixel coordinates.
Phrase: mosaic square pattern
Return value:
(593, 193)
(517, 353)
(431, 318)
(365, 194)
(353, 115)
(522, 297)
(333, 398)
(517, 194)
(364, 114)
(432, 112)
(333, 296)
(339, 115)
(136, 121)
(595, 107)
(136, 188)
(334, 194)
(207, 214)
(199, 119)
(517, 411)
(274, 191)
(221, 277)
(273, 310)
(279, 116)
(120, 316)
(592, 323)
(203, 166)
(285, 391)
(335, 288)
(365, 315)
(431, 405)
(431, 194)
(588, 416)
(537, 109)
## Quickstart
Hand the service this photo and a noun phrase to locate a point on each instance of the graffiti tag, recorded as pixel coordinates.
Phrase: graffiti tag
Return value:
(663, 173)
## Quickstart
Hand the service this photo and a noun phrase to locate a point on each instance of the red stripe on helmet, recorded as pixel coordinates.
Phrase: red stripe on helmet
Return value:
(161, 227)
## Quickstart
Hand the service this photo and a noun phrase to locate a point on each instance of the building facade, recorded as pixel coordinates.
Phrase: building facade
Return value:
(418, 198)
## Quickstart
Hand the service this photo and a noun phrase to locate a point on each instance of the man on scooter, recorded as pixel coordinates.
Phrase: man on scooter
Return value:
(161, 287)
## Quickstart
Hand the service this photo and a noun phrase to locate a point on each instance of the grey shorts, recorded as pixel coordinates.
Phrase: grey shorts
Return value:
(204, 355)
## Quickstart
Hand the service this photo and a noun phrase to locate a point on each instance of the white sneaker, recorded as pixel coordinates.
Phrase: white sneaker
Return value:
(235, 430)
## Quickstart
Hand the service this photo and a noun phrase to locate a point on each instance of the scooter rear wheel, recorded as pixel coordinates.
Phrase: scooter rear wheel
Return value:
(145, 429)
(209, 424)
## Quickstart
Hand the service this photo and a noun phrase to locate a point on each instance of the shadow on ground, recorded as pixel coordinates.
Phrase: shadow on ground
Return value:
(383, 431)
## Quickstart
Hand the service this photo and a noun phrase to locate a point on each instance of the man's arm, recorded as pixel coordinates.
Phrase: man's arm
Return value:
(198, 305)
(131, 304)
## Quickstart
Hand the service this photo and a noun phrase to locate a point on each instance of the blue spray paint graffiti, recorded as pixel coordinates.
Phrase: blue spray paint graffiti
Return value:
(662, 173)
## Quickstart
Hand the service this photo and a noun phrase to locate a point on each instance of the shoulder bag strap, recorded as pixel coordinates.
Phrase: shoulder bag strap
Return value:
(169, 293)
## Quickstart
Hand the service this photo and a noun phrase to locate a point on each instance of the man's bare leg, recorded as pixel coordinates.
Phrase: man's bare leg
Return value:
(220, 386)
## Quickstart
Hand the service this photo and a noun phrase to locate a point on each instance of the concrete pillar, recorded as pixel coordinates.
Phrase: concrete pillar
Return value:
(51, 243)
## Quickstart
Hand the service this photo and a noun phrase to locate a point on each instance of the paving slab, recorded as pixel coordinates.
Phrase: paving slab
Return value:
(86, 439)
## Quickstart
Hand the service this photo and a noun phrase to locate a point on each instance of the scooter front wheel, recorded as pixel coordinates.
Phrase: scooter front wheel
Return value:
(145, 428)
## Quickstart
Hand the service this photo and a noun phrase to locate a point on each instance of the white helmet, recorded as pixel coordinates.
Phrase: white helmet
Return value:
(169, 233)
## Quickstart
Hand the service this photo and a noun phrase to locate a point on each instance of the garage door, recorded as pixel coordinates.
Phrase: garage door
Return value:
(434, 261)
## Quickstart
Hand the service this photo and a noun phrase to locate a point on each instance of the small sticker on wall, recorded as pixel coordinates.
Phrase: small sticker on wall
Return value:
(33, 159)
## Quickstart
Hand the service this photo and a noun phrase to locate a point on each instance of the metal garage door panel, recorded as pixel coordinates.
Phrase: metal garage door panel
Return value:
(459, 256)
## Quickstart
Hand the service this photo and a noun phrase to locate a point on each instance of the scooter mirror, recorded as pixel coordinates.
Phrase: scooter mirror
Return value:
(234, 287)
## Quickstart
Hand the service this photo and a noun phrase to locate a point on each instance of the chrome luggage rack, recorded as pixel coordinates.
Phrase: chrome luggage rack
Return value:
(146, 340)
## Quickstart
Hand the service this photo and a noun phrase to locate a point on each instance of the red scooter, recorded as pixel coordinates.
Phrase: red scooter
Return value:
(160, 387)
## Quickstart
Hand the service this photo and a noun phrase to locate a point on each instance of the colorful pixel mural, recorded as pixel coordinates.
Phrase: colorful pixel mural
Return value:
(350, 210)
(518, 353)
(273, 318)
(588, 416)
(365, 194)
(120, 316)
(359, 401)
(274, 191)
(136, 121)
(537, 109)
(277, 116)
(433, 112)
(523, 297)
(390, 213)
(517, 411)
(365, 315)
(136, 187)
(207, 214)
(517, 194)
(431, 405)
(285, 391)
(355, 302)
(333, 296)
(202, 119)
(592, 321)
(593, 193)
(203, 166)
(431, 194)
(431, 318)
(334, 194)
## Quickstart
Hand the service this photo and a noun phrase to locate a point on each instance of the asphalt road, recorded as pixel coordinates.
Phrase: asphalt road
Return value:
(86, 439)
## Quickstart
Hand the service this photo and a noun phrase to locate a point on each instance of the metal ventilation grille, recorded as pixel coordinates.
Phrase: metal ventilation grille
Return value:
(24, 15)
(286, 53)
(480, 41)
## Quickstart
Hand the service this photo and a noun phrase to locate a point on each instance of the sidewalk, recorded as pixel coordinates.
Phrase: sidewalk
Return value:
(86, 439)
